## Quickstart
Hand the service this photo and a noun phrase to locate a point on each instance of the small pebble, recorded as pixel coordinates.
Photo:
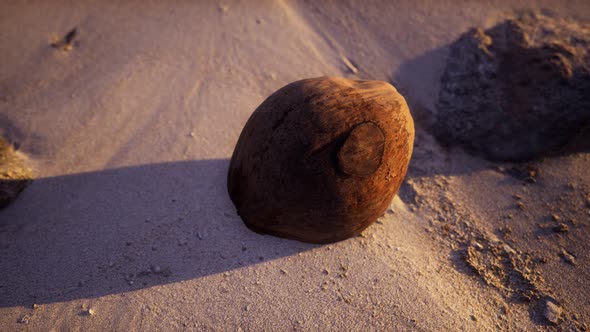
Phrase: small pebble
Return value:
(24, 319)
(477, 246)
(567, 257)
(561, 228)
(552, 312)
(508, 249)
(87, 312)
(504, 310)
(505, 230)
(556, 217)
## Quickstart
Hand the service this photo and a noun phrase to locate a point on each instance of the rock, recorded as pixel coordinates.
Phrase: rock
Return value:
(321, 159)
(517, 91)
(14, 175)
(552, 312)
(561, 228)
(567, 257)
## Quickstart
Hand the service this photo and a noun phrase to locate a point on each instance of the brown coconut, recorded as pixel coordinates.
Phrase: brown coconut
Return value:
(320, 159)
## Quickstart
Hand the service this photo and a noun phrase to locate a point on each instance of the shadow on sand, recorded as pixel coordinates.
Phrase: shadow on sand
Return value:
(98, 233)
(418, 80)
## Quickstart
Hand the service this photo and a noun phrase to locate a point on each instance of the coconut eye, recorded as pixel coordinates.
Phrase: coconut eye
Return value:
(361, 153)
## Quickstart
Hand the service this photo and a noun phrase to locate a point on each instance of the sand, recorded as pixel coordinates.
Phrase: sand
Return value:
(129, 126)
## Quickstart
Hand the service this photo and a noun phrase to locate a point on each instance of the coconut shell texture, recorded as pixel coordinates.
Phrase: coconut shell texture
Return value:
(320, 159)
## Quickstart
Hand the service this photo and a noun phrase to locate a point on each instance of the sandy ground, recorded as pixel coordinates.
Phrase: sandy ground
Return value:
(128, 226)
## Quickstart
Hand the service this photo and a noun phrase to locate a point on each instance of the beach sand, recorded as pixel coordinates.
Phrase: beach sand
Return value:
(129, 124)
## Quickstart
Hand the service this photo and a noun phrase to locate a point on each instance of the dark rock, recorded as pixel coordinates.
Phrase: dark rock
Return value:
(321, 159)
(518, 91)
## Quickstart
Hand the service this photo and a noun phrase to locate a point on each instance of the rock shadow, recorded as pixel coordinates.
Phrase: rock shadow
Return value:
(418, 80)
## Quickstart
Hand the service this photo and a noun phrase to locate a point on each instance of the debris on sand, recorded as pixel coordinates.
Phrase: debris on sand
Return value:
(86, 310)
(526, 173)
(349, 64)
(567, 257)
(552, 312)
(517, 91)
(561, 228)
(67, 42)
(502, 267)
(14, 175)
